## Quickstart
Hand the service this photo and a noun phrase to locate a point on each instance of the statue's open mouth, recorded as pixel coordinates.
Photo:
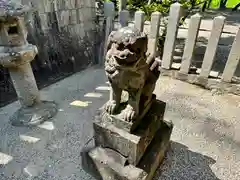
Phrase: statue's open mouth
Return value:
(125, 60)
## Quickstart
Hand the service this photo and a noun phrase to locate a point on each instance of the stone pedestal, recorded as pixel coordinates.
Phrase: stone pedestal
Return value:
(120, 154)
(34, 115)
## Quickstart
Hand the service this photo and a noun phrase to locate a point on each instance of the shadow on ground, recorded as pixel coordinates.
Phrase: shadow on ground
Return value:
(183, 164)
(221, 57)
(232, 18)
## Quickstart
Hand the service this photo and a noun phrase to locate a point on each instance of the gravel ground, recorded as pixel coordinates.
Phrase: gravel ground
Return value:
(206, 137)
(205, 140)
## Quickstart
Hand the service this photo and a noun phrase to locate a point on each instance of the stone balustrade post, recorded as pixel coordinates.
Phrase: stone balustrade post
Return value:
(139, 20)
(109, 11)
(218, 24)
(124, 18)
(172, 29)
(233, 60)
(154, 33)
(122, 5)
(193, 30)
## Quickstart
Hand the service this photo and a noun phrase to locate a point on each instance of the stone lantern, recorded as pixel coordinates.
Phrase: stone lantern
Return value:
(16, 54)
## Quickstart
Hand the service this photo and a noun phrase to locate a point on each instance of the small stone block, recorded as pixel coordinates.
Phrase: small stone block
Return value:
(201, 81)
(213, 74)
(131, 145)
(110, 169)
(88, 163)
(182, 76)
(176, 66)
(104, 166)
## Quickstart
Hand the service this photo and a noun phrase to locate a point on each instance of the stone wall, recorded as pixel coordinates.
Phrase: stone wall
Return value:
(65, 26)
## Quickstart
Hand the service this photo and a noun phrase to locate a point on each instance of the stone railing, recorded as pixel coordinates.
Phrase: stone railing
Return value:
(185, 69)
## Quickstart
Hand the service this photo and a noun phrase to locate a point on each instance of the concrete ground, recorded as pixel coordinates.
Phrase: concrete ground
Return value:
(205, 141)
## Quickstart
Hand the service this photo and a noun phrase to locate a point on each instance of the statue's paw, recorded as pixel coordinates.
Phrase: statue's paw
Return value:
(110, 107)
(129, 114)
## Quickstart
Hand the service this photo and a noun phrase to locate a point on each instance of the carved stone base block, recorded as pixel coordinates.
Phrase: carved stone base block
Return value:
(35, 115)
(131, 145)
(131, 126)
(105, 164)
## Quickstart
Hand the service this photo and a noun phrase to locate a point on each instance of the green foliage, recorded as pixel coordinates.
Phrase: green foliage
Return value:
(215, 4)
(149, 9)
(134, 5)
(162, 6)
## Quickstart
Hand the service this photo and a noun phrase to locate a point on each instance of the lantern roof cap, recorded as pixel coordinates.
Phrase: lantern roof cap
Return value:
(12, 8)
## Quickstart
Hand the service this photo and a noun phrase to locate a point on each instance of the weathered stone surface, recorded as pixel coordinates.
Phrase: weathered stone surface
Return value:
(13, 32)
(19, 56)
(132, 145)
(233, 60)
(11, 8)
(110, 169)
(190, 42)
(173, 21)
(212, 74)
(208, 83)
(127, 69)
(16, 54)
(88, 163)
(103, 166)
(139, 20)
(210, 53)
(34, 115)
(154, 155)
(25, 85)
(109, 13)
(122, 5)
(154, 34)
(124, 18)
(132, 125)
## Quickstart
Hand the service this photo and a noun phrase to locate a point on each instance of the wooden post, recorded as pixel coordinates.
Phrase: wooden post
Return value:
(169, 45)
(209, 56)
(233, 60)
(139, 20)
(190, 43)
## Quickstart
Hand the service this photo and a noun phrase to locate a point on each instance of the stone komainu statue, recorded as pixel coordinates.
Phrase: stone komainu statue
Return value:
(127, 69)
